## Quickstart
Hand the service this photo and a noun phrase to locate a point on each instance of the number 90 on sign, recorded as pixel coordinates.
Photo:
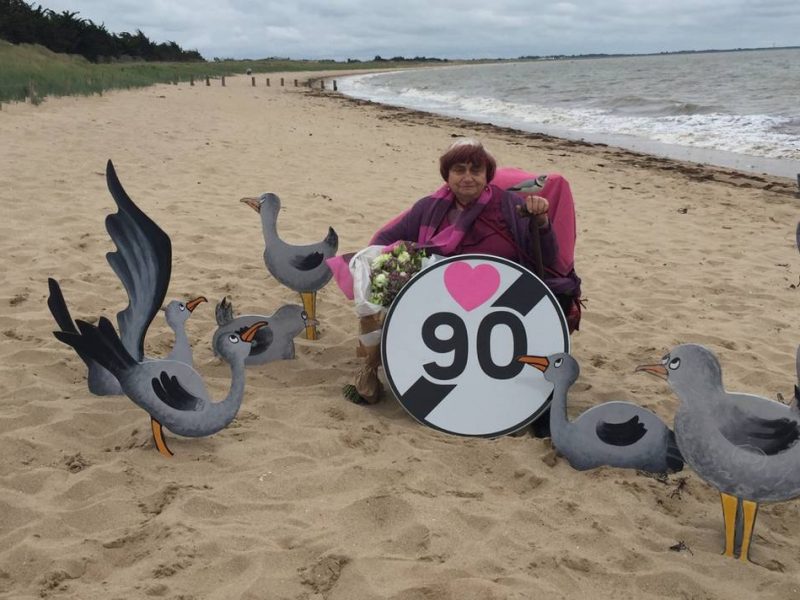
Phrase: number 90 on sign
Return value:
(451, 338)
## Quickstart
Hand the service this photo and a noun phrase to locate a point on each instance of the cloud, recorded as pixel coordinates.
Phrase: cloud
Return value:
(342, 29)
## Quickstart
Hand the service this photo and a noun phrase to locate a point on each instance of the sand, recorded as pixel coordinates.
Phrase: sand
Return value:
(306, 496)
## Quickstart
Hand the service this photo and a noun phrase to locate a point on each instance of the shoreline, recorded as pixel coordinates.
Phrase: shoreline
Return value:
(639, 146)
(693, 170)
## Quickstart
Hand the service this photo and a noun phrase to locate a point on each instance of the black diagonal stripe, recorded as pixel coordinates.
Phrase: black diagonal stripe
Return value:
(423, 396)
(522, 295)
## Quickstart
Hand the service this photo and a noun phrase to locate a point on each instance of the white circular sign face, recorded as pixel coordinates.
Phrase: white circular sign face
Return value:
(451, 339)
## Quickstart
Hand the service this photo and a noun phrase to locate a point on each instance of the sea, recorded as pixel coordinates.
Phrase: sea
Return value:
(737, 109)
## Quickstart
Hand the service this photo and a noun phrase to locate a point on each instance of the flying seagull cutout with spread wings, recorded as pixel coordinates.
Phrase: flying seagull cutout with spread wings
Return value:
(143, 263)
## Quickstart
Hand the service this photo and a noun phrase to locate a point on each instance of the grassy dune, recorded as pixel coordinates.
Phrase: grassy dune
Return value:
(28, 71)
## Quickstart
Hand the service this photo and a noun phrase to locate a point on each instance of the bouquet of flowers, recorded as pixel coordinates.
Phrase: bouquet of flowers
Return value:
(390, 271)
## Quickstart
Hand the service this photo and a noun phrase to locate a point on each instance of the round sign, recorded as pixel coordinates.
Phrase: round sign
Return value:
(451, 339)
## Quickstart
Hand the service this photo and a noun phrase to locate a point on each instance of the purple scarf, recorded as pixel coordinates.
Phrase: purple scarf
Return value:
(419, 225)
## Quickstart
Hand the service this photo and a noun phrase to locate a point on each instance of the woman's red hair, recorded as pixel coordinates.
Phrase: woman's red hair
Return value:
(467, 151)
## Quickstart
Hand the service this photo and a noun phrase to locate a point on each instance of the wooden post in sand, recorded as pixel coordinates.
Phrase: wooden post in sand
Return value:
(267, 81)
(295, 83)
(335, 88)
(253, 79)
(223, 81)
(191, 80)
(281, 81)
(208, 82)
(322, 84)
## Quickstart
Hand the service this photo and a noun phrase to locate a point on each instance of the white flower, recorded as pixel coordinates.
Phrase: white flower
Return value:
(379, 261)
(380, 280)
(403, 257)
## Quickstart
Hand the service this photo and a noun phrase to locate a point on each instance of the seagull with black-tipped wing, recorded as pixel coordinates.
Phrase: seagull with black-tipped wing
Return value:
(143, 263)
(172, 392)
(746, 446)
(616, 434)
(273, 342)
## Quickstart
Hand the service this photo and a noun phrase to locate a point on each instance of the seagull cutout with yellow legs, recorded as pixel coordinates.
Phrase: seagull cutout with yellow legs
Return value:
(301, 268)
(172, 392)
(746, 446)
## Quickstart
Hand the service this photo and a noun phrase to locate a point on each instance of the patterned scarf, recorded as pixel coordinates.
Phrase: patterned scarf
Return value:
(449, 239)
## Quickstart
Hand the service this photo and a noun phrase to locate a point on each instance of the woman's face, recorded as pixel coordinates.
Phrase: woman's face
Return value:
(467, 181)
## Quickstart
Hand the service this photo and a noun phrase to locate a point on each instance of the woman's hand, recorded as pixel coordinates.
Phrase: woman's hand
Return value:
(537, 206)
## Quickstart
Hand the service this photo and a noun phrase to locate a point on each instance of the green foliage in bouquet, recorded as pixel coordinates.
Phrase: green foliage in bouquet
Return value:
(390, 271)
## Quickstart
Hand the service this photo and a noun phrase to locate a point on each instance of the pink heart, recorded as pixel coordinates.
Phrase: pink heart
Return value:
(471, 287)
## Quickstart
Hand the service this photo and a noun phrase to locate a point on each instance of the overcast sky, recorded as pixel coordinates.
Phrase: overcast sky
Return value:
(341, 29)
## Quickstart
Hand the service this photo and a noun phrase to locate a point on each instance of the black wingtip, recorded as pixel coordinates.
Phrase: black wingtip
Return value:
(58, 307)
(115, 187)
(332, 238)
(224, 312)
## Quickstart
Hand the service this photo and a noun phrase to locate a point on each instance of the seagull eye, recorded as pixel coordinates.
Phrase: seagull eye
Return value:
(233, 338)
(182, 306)
(674, 363)
(557, 362)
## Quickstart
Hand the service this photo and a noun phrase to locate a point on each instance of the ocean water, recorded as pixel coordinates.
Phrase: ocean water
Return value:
(735, 109)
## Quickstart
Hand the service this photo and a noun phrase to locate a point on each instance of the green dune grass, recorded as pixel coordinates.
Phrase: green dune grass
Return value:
(34, 72)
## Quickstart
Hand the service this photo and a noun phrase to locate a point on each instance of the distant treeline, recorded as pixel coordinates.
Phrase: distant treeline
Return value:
(378, 58)
(21, 23)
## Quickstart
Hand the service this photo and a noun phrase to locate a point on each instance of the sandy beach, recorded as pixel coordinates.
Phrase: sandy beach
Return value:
(306, 496)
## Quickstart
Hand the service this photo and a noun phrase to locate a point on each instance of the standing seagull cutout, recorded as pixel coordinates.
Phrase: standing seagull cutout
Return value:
(300, 268)
(274, 342)
(173, 393)
(143, 263)
(746, 446)
(616, 434)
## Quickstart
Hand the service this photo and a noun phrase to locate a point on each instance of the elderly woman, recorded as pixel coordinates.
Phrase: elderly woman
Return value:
(467, 215)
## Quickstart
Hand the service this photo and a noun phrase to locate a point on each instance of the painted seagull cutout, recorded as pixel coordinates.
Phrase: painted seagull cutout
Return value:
(300, 268)
(101, 381)
(616, 434)
(143, 263)
(530, 186)
(274, 342)
(172, 392)
(746, 446)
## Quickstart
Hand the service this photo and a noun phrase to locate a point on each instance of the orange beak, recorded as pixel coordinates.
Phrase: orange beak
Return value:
(192, 304)
(537, 362)
(658, 370)
(250, 332)
(253, 203)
